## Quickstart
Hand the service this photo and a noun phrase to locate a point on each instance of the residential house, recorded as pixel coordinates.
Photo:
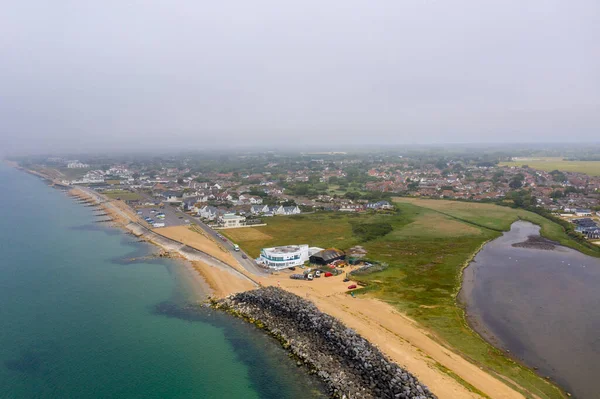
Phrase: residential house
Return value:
(352, 208)
(224, 196)
(284, 210)
(258, 209)
(255, 200)
(583, 212)
(380, 205)
(189, 204)
(231, 220)
(172, 196)
(210, 212)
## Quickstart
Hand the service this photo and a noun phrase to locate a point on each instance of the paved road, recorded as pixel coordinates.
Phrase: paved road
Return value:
(247, 263)
(172, 215)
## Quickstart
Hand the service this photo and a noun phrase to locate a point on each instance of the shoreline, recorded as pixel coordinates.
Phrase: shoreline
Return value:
(221, 280)
(474, 321)
(403, 340)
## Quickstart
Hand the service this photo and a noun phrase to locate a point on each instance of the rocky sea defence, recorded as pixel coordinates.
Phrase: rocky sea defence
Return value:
(350, 366)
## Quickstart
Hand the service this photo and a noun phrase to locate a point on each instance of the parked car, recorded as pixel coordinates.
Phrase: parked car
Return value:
(309, 276)
(328, 274)
(244, 256)
(292, 268)
(317, 273)
(351, 287)
(346, 280)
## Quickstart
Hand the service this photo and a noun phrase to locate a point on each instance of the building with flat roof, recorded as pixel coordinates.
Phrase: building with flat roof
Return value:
(231, 220)
(278, 258)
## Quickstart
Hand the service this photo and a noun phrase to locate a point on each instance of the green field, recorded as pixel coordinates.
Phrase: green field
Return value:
(122, 194)
(591, 168)
(72, 173)
(430, 243)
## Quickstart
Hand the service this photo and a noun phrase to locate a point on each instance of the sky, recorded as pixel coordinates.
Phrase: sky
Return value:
(188, 74)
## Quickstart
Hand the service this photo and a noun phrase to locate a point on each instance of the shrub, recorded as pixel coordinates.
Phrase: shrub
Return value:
(371, 231)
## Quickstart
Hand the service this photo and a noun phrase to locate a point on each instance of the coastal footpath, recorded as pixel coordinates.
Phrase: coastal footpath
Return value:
(350, 366)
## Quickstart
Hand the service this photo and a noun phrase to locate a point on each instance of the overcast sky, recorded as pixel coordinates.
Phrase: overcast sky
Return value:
(80, 75)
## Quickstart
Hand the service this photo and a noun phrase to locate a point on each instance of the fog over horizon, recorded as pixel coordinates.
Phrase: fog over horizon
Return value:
(150, 75)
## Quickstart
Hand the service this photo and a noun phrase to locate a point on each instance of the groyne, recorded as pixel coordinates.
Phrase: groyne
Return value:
(350, 366)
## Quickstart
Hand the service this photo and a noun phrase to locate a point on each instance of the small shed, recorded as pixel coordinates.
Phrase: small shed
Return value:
(327, 256)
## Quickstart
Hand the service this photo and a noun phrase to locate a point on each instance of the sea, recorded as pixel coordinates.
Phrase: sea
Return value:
(87, 312)
(542, 305)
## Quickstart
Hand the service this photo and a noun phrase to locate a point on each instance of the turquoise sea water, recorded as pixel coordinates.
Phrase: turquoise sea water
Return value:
(77, 320)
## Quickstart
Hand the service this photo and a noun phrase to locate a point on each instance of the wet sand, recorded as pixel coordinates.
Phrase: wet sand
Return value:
(540, 304)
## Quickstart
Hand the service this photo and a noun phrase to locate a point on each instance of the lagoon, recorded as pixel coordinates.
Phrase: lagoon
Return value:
(541, 304)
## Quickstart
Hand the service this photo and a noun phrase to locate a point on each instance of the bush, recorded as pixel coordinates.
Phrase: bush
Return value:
(371, 231)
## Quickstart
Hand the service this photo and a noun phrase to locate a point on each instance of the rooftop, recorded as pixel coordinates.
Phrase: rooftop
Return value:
(286, 249)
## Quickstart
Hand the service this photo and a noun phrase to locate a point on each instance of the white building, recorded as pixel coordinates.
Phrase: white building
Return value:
(77, 165)
(278, 258)
(231, 220)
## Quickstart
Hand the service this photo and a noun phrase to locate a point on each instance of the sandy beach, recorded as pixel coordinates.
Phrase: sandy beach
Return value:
(399, 337)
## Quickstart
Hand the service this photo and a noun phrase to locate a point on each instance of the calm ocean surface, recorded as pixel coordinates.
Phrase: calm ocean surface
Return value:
(77, 320)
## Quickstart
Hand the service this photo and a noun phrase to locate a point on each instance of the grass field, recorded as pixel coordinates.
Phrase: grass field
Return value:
(122, 194)
(429, 245)
(320, 230)
(72, 173)
(591, 168)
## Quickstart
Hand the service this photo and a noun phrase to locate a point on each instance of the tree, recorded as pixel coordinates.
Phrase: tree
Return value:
(352, 195)
(413, 185)
(515, 184)
(558, 176)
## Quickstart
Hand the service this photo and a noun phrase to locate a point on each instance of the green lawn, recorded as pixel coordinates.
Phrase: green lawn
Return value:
(73, 173)
(430, 243)
(591, 168)
(325, 229)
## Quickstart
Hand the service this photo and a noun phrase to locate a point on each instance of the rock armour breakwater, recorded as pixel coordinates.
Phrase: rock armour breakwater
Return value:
(350, 366)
